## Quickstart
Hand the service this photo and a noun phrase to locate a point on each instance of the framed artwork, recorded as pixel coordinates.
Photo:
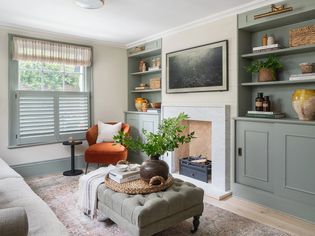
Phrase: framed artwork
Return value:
(198, 69)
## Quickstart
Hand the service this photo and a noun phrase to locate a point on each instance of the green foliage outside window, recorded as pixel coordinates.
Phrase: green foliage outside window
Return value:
(51, 77)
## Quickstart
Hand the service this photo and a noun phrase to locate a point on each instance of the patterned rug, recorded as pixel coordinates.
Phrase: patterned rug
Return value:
(61, 194)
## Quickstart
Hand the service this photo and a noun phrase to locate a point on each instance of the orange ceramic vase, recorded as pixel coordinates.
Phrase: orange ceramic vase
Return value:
(303, 102)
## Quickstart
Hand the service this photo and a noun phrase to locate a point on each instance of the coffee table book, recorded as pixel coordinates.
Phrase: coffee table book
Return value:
(122, 177)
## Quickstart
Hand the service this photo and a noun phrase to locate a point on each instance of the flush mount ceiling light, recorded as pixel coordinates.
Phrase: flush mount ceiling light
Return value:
(90, 4)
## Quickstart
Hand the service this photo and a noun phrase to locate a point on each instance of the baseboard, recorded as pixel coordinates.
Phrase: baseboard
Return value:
(48, 167)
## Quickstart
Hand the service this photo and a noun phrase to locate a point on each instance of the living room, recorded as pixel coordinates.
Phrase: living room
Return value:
(241, 160)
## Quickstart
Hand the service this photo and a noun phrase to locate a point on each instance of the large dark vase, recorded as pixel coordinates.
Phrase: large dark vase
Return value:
(154, 167)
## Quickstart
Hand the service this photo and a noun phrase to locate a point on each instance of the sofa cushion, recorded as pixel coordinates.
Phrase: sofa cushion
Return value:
(13, 222)
(142, 210)
(6, 171)
(14, 192)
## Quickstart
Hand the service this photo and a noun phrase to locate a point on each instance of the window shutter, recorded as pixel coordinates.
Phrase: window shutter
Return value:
(74, 114)
(36, 117)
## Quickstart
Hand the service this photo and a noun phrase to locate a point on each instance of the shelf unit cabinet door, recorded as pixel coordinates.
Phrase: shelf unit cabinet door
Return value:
(253, 155)
(296, 157)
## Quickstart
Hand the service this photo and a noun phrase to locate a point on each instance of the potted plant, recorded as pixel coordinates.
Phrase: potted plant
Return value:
(169, 136)
(267, 70)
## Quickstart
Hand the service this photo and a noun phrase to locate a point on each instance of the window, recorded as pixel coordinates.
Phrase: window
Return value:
(49, 91)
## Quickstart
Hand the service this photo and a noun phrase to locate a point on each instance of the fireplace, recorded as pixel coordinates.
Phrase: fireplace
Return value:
(212, 127)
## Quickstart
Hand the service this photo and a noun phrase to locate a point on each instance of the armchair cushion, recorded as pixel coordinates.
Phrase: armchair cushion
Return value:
(106, 132)
(106, 153)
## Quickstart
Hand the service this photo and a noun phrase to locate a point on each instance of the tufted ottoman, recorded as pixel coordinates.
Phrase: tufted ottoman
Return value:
(154, 212)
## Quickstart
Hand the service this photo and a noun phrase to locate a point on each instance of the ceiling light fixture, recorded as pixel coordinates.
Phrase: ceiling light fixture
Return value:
(90, 4)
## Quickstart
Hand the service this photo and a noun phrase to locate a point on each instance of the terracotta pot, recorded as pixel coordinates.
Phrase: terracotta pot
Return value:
(266, 75)
(303, 102)
(153, 167)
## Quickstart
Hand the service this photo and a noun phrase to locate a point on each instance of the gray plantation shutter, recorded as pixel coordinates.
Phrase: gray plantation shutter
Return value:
(51, 116)
(73, 113)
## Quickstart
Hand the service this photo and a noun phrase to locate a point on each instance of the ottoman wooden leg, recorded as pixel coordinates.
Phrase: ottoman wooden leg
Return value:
(196, 223)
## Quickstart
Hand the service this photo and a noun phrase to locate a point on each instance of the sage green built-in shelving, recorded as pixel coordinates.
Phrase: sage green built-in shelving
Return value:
(281, 52)
(274, 158)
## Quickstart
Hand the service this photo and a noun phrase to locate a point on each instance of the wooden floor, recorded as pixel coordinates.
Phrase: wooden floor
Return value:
(265, 215)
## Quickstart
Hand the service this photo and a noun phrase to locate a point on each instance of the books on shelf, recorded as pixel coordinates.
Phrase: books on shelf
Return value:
(154, 110)
(265, 114)
(142, 87)
(123, 177)
(302, 76)
(267, 48)
(153, 68)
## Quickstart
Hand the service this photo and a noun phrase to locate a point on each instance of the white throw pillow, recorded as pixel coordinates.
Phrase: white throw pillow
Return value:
(106, 132)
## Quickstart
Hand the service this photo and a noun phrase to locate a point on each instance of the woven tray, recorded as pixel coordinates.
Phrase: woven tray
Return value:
(302, 36)
(137, 186)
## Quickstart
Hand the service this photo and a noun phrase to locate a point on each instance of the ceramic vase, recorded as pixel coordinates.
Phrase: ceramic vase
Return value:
(138, 103)
(303, 102)
(153, 167)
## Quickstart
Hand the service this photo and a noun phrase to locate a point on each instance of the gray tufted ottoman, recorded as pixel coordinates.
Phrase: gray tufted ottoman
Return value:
(151, 213)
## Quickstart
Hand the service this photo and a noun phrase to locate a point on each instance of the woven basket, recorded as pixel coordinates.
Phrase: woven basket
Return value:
(302, 36)
(139, 186)
(155, 83)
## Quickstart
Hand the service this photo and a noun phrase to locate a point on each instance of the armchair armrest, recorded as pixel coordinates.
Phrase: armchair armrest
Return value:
(13, 222)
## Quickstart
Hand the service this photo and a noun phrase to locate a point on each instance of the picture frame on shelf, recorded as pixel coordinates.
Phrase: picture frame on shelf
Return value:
(198, 69)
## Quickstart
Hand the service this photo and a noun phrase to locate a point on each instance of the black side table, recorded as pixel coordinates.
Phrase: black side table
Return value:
(73, 171)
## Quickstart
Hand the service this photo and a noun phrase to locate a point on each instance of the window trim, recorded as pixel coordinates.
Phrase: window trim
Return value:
(13, 88)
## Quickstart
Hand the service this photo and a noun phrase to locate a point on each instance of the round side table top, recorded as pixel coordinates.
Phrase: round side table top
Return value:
(74, 142)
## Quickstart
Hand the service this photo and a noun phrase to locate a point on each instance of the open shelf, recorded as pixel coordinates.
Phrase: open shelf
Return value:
(283, 120)
(146, 53)
(146, 91)
(281, 52)
(147, 72)
(283, 82)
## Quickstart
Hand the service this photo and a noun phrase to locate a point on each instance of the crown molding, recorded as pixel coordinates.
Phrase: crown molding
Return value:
(212, 18)
(58, 35)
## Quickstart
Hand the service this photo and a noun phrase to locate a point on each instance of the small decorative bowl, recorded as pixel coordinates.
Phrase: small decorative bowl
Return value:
(122, 167)
(306, 67)
(133, 167)
(155, 104)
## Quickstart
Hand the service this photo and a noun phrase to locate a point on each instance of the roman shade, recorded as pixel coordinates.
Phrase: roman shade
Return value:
(27, 49)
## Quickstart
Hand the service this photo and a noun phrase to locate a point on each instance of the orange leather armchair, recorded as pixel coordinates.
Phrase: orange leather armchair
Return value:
(104, 153)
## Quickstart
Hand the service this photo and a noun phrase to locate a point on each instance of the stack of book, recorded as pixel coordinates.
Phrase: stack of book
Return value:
(142, 87)
(154, 110)
(123, 177)
(267, 48)
(302, 76)
(265, 114)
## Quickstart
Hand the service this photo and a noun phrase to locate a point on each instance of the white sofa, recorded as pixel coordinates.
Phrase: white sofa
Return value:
(22, 212)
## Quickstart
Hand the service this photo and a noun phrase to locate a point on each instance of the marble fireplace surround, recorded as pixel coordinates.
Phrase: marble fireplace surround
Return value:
(219, 116)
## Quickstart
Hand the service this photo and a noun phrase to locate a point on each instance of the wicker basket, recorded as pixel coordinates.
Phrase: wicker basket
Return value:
(155, 83)
(302, 36)
(139, 186)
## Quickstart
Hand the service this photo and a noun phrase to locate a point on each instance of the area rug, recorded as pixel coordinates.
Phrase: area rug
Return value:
(61, 194)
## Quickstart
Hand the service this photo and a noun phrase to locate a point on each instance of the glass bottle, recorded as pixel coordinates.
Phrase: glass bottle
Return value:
(259, 102)
(266, 104)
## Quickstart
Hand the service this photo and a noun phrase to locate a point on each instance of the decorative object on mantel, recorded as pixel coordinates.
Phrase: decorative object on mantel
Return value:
(302, 36)
(267, 70)
(307, 67)
(275, 10)
(303, 102)
(198, 69)
(168, 137)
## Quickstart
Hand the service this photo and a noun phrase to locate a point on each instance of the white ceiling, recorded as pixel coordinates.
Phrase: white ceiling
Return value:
(119, 21)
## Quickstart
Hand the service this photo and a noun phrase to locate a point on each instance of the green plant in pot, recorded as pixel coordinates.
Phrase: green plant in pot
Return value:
(169, 136)
(267, 69)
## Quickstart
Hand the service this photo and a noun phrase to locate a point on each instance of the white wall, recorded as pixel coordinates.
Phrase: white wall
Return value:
(110, 95)
(223, 29)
